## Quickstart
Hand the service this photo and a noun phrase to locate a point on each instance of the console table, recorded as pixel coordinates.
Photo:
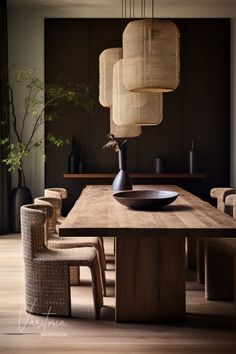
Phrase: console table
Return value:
(137, 175)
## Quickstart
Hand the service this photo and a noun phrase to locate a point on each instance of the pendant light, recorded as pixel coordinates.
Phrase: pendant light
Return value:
(106, 61)
(123, 131)
(151, 61)
(134, 107)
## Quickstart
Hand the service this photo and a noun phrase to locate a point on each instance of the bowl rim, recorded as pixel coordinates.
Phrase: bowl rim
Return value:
(121, 194)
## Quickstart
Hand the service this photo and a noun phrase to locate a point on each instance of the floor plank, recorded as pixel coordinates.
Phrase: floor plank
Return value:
(210, 327)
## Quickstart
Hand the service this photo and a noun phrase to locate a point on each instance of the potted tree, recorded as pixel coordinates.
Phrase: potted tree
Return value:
(40, 105)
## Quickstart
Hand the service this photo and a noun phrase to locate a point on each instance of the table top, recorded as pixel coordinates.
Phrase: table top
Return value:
(97, 213)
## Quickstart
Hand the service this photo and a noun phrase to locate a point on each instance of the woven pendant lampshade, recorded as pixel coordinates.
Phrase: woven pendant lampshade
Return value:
(123, 131)
(151, 56)
(134, 107)
(106, 61)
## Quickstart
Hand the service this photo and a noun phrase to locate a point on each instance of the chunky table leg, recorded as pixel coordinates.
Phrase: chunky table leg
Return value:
(150, 279)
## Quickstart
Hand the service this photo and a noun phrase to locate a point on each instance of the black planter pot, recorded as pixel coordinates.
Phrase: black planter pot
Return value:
(19, 196)
(122, 180)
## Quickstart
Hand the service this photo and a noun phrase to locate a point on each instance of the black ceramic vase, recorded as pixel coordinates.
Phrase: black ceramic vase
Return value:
(122, 180)
(192, 159)
(19, 196)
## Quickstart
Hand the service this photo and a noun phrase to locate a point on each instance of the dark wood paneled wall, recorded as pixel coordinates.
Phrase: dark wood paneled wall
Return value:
(198, 109)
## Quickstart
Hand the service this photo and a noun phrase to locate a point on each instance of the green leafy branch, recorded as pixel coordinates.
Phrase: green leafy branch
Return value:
(40, 104)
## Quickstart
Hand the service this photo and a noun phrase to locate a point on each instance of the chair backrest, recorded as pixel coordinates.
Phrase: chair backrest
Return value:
(56, 193)
(32, 229)
(220, 194)
(230, 201)
(56, 206)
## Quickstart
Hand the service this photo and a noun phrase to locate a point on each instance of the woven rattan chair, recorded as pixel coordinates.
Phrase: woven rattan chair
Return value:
(196, 247)
(60, 193)
(54, 241)
(220, 253)
(47, 280)
(220, 195)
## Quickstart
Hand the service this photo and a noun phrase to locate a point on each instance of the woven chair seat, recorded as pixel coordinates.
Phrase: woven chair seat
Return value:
(69, 242)
(56, 242)
(73, 256)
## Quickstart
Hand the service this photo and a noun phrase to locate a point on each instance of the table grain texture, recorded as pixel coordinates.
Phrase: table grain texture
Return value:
(97, 212)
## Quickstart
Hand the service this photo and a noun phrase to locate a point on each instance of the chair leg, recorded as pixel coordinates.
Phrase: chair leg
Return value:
(234, 275)
(219, 273)
(192, 253)
(200, 261)
(103, 279)
(102, 262)
(101, 252)
(74, 275)
(96, 286)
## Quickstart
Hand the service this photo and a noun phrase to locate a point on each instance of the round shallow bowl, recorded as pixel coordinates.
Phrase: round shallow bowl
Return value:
(145, 199)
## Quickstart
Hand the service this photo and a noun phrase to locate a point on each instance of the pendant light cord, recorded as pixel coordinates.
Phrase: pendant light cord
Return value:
(123, 15)
(143, 9)
(132, 9)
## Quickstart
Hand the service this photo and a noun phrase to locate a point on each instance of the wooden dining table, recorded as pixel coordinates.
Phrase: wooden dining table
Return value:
(150, 247)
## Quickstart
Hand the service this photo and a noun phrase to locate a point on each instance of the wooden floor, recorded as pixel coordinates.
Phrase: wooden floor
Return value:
(210, 327)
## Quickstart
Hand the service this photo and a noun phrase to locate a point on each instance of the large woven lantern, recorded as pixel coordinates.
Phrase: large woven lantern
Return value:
(106, 61)
(134, 107)
(151, 56)
(123, 131)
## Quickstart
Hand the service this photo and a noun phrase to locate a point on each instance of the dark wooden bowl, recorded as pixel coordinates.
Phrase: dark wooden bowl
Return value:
(145, 199)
